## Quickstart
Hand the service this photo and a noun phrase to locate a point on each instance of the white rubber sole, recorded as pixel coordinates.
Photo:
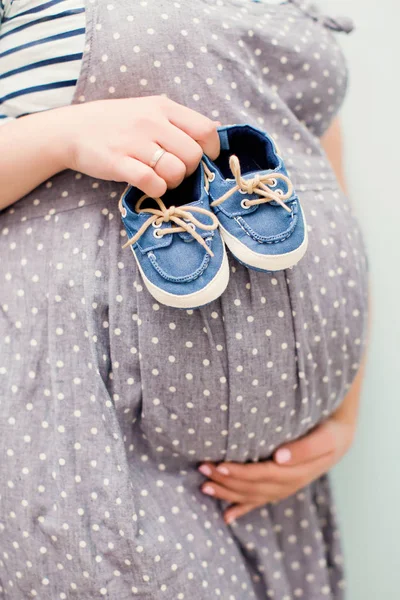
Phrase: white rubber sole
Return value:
(276, 262)
(211, 292)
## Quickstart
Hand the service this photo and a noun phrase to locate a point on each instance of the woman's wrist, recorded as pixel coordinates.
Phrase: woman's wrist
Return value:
(67, 128)
(57, 134)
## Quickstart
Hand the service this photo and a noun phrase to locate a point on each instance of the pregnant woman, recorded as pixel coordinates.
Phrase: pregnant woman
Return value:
(148, 451)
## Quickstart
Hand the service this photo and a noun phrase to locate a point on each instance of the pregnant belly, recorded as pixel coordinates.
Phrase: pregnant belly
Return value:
(231, 381)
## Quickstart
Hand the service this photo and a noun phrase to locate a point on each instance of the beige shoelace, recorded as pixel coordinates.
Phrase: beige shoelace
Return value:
(182, 216)
(256, 185)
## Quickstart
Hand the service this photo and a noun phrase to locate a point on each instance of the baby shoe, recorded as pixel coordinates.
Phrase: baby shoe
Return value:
(259, 212)
(177, 245)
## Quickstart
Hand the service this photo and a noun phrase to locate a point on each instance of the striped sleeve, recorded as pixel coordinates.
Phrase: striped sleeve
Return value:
(41, 48)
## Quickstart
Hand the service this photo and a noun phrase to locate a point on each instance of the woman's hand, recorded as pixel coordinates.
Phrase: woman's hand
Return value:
(107, 139)
(293, 467)
(116, 140)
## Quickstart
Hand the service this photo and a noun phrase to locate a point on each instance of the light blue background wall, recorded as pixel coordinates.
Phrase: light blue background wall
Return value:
(368, 480)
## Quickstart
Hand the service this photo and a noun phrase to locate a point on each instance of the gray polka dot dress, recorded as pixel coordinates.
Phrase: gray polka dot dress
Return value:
(110, 401)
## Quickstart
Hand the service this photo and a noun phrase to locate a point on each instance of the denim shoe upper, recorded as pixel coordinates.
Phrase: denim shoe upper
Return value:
(254, 218)
(177, 257)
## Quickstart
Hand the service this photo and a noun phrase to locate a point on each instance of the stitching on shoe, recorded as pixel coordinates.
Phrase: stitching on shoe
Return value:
(185, 279)
(272, 239)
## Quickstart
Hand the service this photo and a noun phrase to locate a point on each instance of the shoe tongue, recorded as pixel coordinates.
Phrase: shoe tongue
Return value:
(252, 174)
(250, 168)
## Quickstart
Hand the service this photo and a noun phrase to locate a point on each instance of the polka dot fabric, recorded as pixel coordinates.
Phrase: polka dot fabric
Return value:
(109, 401)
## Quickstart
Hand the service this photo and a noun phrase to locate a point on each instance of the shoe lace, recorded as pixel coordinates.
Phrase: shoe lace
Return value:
(181, 216)
(259, 184)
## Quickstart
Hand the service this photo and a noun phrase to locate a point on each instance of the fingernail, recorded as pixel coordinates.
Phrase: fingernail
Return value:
(207, 489)
(223, 470)
(230, 519)
(283, 455)
(205, 470)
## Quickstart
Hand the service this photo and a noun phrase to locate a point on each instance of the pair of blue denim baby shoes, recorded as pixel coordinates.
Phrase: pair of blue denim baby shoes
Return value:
(244, 200)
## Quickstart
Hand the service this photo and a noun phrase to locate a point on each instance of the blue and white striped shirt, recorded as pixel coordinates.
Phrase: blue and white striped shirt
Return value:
(41, 47)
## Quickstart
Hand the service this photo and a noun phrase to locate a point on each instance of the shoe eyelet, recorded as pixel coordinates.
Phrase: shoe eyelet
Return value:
(273, 183)
(211, 177)
(124, 212)
(242, 191)
(154, 224)
(157, 234)
(244, 205)
(279, 192)
(192, 226)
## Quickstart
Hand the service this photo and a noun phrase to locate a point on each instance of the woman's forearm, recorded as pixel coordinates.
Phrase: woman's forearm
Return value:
(32, 149)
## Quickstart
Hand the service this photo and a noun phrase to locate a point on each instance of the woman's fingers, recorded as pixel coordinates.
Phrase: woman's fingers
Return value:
(135, 172)
(239, 490)
(180, 144)
(241, 480)
(218, 491)
(197, 126)
(241, 486)
(255, 494)
(237, 482)
(169, 167)
(251, 472)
